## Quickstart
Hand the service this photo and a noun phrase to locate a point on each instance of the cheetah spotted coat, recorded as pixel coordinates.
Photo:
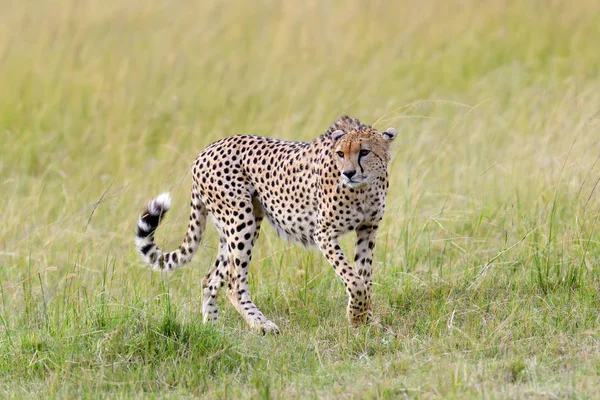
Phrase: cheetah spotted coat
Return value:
(311, 192)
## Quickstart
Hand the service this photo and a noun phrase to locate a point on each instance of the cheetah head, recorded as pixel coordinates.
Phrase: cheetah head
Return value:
(362, 155)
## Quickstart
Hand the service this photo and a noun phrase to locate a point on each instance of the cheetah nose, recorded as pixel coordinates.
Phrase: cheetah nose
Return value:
(349, 174)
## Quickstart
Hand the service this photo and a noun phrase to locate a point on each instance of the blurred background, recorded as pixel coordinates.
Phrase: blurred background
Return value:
(104, 104)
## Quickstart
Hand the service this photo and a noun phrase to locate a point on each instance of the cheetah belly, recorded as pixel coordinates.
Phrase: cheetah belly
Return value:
(297, 227)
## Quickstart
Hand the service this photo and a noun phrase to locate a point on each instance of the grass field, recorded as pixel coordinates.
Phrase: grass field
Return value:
(487, 264)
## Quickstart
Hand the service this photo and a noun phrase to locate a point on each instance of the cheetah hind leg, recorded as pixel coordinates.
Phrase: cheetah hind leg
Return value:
(240, 255)
(212, 282)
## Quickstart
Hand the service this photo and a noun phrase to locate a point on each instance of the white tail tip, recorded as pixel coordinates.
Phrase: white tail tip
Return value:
(162, 201)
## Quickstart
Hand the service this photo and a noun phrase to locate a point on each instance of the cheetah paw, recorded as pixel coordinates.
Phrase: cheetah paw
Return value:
(375, 322)
(264, 326)
(356, 318)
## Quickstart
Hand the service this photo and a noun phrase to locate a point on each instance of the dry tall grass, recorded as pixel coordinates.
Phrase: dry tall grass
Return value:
(487, 262)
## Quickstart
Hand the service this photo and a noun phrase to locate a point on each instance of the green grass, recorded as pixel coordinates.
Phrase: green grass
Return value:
(487, 264)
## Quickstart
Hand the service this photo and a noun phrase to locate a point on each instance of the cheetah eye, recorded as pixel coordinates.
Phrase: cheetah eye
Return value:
(364, 152)
(340, 154)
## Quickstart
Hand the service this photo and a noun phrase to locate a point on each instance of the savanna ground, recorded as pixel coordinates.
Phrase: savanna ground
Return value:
(487, 264)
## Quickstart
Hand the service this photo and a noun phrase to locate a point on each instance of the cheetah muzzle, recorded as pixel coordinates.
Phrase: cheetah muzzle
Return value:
(312, 193)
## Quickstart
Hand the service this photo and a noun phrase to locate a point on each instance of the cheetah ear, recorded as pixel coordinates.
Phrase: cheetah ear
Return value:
(337, 135)
(389, 134)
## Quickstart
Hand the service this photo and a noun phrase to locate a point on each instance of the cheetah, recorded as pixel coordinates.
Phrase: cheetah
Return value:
(311, 192)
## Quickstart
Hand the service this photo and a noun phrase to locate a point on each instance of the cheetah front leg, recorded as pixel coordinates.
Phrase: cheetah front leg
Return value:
(355, 286)
(363, 258)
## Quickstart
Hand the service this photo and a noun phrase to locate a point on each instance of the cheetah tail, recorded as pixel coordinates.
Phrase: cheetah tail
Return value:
(149, 221)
